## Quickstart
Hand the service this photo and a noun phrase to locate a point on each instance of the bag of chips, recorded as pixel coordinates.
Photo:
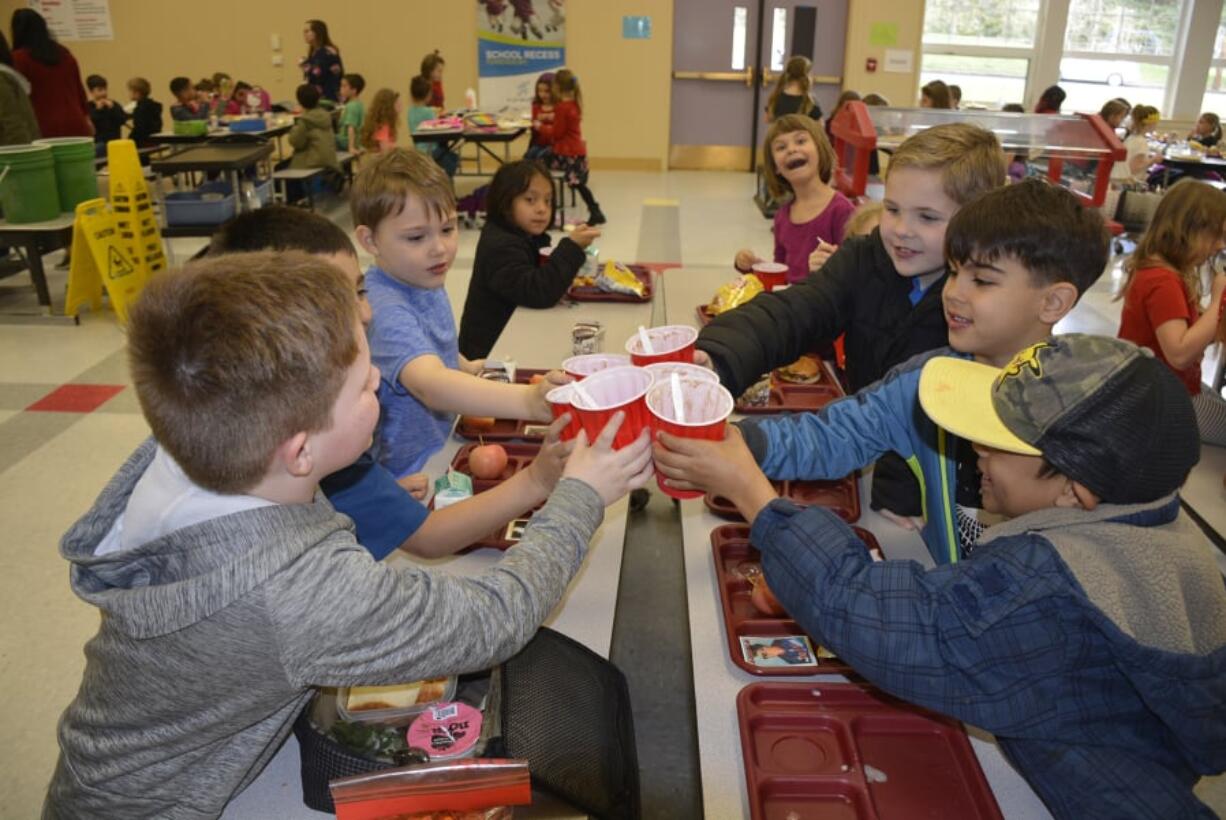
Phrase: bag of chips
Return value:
(735, 293)
(617, 278)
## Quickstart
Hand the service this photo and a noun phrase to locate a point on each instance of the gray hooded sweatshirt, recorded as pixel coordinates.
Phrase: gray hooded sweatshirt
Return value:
(212, 635)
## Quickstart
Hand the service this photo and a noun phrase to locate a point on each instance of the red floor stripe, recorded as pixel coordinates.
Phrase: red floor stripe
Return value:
(76, 398)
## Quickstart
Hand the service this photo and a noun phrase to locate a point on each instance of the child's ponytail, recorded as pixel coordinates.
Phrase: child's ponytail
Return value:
(796, 70)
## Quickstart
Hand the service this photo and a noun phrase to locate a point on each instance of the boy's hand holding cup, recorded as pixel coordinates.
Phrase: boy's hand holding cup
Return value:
(690, 408)
(549, 463)
(611, 472)
(724, 467)
(539, 408)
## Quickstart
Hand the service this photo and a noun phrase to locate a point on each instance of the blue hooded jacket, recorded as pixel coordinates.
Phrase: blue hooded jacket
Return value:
(852, 433)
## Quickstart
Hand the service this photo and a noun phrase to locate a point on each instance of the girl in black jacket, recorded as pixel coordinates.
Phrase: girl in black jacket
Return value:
(509, 270)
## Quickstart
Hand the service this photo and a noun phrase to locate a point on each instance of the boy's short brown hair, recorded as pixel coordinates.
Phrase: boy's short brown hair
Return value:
(233, 355)
(969, 158)
(141, 86)
(384, 185)
(826, 160)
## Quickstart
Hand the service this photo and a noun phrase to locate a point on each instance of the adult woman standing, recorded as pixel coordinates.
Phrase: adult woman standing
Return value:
(322, 66)
(56, 91)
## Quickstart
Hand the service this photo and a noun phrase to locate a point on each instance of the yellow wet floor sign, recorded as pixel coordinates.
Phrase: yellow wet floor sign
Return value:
(116, 246)
(100, 259)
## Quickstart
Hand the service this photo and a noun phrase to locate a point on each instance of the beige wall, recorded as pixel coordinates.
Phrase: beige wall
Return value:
(625, 82)
(908, 15)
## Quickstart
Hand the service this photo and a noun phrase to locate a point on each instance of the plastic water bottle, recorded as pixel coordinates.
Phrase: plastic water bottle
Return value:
(470, 99)
(251, 201)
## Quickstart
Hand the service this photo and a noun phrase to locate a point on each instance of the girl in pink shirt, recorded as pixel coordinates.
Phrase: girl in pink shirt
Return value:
(799, 161)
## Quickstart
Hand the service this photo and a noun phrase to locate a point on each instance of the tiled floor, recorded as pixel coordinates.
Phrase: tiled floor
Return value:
(68, 417)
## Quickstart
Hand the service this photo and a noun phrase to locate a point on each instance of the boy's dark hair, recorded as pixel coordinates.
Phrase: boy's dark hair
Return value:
(281, 228)
(419, 89)
(232, 356)
(141, 86)
(307, 95)
(1042, 226)
(95, 81)
(384, 185)
(513, 179)
(356, 81)
(1013, 108)
(179, 84)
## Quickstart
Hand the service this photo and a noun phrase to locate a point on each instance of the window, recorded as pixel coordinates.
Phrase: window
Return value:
(740, 16)
(1126, 45)
(779, 36)
(1215, 85)
(984, 46)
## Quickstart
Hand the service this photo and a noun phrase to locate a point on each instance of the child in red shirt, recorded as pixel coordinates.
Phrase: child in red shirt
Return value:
(542, 117)
(1162, 293)
(569, 153)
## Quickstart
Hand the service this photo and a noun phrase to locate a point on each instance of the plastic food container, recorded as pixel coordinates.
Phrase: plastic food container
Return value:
(447, 731)
(706, 405)
(394, 705)
(580, 367)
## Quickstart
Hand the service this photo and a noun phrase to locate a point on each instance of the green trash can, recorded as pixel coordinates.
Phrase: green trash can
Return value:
(76, 181)
(27, 184)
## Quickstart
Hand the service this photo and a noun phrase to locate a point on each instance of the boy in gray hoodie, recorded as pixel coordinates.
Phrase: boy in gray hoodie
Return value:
(229, 586)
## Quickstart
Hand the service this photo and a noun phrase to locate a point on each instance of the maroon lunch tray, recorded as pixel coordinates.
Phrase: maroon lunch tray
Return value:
(789, 397)
(733, 556)
(591, 293)
(507, 429)
(844, 750)
(519, 456)
(841, 497)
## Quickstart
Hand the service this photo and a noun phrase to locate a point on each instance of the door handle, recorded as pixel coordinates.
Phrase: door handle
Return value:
(745, 76)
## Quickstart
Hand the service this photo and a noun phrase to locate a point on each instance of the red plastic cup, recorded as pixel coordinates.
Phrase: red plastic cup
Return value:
(707, 406)
(580, 367)
(771, 274)
(605, 393)
(672, 343)
(559, 403)
(661, 371)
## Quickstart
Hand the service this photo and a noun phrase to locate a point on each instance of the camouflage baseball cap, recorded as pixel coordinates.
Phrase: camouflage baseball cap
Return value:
(1103, 411)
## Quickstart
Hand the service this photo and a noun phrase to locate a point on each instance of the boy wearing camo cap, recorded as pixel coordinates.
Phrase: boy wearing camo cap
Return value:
(1088, 631)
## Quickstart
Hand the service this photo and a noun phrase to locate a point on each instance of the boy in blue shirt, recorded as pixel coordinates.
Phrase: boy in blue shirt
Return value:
(1088, 630)
(420, 111)
(1020, 257)
(385, 512)
(405, 215)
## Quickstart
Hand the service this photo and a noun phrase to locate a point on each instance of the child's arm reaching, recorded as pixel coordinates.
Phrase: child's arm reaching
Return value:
(440, 388)
(1183, 344)
(452, 528)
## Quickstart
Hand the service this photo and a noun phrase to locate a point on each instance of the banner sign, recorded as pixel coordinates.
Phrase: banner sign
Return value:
(517, 41)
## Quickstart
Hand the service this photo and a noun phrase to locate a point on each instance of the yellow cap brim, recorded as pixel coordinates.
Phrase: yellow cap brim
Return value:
(957, 395)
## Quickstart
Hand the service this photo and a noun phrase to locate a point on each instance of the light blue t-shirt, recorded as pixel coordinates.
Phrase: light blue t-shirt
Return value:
(408, 322)
(417, 115)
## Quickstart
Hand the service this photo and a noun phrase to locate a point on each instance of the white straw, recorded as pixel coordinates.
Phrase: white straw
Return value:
(678, 399)
(647, 348)
(583, 394)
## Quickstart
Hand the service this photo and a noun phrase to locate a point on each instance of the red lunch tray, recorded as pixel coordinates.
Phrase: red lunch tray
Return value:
(841, 497)
(789, 397)
(591, 293)
(735, 560)
(844, 750)
(508, 429)
(519, 456)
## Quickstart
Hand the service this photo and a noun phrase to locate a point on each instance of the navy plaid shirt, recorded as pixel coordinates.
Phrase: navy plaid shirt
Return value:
(1100, 726)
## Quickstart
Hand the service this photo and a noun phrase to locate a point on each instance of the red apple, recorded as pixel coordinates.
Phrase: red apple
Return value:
(487, 461)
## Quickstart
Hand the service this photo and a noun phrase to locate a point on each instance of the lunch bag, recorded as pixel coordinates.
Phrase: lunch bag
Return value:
(556, 704)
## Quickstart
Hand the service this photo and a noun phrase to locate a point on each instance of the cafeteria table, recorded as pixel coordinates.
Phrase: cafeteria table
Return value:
(33, 239)
(453, 139)
(231, 159)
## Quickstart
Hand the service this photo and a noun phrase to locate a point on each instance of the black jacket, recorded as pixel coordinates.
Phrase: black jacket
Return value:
(107, 121)
(857, 292)
(146, 121)
(507, 273)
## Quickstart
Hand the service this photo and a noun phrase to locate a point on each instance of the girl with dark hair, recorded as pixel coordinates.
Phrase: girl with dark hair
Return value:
(1051, 100)
(56, 91)
(791, 93)
(508, 270)
(17, 122)
(935, 95)
(432, 66)
(569, 152)
(322, 66)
